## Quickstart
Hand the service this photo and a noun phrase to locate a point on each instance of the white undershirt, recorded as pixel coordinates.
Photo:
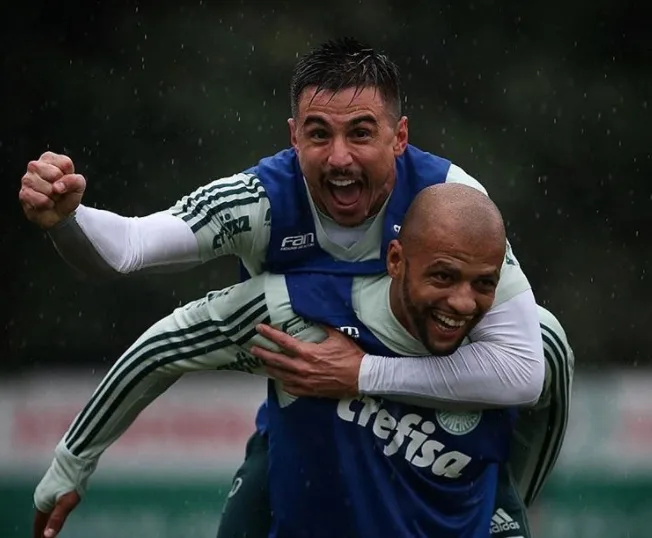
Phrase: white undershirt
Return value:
(341, 235)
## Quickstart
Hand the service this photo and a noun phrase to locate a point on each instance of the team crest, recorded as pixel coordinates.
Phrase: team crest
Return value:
(459, 423)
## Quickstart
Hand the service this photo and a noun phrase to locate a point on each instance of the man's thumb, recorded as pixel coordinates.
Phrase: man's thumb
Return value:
(55, 522)
(58, 517)
(70, 183)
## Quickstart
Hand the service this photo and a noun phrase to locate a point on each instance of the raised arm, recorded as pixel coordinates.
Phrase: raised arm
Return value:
(224, 217)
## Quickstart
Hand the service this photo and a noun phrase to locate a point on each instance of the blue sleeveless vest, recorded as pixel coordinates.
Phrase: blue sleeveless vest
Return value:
(293, 244)
(370, 467)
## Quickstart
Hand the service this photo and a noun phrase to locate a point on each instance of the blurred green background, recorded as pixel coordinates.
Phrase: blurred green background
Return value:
(546, 103)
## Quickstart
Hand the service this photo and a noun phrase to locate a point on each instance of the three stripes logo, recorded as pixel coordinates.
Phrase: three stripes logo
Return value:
(501, 522)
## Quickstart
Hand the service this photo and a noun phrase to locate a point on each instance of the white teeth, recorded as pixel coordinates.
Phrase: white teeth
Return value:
(341, 182)
(449, 322)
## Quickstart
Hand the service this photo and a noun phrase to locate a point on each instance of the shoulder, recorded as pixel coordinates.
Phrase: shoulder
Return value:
(277, 166)
(244, 186)
(240, 183)
(458, 175)
(232, 196)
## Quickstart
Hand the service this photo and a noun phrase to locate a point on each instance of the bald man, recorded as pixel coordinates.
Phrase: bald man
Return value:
(362, 466)
(452, 235)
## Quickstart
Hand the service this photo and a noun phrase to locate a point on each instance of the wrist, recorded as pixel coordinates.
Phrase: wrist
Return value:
(61, 224)
(365, 374)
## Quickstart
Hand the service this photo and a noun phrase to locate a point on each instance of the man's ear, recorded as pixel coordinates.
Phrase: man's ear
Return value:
(395, 265)
(292, 124)
(401, 137)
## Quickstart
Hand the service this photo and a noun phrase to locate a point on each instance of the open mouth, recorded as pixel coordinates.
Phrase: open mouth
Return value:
(345, 192)
(447, 324)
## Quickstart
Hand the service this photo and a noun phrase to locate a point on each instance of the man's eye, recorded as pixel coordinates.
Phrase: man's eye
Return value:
(361, 133)
(441, 276)
(319, 134)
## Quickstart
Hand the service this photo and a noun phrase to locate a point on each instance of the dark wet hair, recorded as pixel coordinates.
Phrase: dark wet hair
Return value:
(346, 63)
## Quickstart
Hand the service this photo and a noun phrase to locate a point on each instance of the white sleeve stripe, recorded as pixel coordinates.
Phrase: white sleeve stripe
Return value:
(217, 192)
(235, 195)
(558, 357)
(211, 211)
(154, 353)
(125, 368)
(222, 185)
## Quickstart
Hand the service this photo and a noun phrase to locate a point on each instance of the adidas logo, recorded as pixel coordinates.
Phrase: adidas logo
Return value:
(501, 521)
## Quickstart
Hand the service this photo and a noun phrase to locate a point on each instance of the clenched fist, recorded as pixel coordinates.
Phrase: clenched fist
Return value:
(50, 190)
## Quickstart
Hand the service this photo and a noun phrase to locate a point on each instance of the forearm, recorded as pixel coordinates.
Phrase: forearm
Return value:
(96, 428)
(503, 367)
(192, 338)
(77, 454)
(101, 244)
